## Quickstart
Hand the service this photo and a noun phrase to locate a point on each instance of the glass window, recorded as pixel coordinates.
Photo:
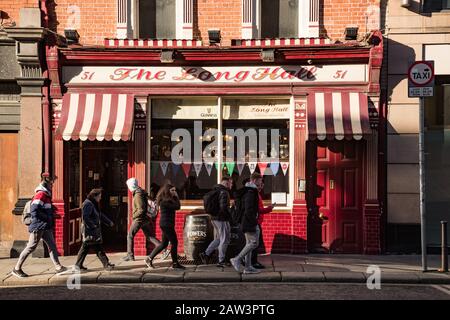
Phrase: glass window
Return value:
(437, 155)
(436, 5)
(279, 18)
(255, 139)
(157, 19)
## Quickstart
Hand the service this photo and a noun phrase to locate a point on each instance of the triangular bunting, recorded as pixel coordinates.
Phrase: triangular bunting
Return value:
(274, 167)
(175, 169)
(209, 166)
(230, 167)
(198, 168)
(252, 166)
(262, 167)
(240, 167)
(284, 167)
(216, 164)
(186, 169)
(164, 165)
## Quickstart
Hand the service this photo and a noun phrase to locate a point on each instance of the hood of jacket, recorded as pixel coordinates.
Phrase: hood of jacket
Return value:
(40, 187)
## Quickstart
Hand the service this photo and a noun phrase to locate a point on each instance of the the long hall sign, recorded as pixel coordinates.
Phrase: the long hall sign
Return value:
(210, 75)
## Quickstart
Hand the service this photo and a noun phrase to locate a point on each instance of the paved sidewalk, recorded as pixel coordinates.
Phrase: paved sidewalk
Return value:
(279, 268)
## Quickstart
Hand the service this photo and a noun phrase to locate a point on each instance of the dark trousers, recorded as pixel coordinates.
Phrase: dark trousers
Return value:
(84, 250)
(146, 227)
(255, 252)
(168, 235)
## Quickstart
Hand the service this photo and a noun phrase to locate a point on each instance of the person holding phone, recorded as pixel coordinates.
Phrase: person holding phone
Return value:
(168, 202)
(261, 211)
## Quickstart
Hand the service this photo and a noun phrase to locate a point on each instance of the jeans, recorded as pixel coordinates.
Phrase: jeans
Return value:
(221, 239)
(255, 252)
(146, 228)
(84, 250)
(251, 243)
(168, 235)
(49, 240)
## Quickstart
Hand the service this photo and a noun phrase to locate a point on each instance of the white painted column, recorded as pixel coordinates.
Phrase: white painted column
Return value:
(308, 19)
(313, 22)
(122, 19)
(249, 20)
(185, 19)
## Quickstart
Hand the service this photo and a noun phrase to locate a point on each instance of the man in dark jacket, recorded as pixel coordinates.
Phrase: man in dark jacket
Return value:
(221, 222)
(141, 219)
(249, 225)
(41, 227)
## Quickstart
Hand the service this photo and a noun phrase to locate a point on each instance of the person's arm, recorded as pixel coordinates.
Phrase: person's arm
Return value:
(250, 207)
(261, 208)
(171, 204)
(104, 218)
(88, 209)
(37, 208)
(224, 200)
(140, 203)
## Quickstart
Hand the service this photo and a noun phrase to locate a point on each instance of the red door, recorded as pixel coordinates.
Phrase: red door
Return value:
(335, 196)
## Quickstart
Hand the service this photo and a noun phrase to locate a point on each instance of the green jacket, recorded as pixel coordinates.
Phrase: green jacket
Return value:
(140, 198)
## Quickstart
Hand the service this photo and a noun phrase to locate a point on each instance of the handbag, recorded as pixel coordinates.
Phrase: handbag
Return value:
(152, 209)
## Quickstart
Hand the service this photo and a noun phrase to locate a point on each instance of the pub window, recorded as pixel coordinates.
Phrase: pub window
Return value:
(262, 124)
(436, 5)
(157, 19)
(279, 18)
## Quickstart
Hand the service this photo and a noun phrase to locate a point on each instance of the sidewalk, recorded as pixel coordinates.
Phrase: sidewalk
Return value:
(279, 268)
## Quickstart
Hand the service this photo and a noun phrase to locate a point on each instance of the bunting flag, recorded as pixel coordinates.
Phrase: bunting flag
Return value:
(240, 167)
(262, 167)
(175, 169)
(216, 164)
(284, 167)
(209, 166)
(164, 166)
(252, 166)
(186, 169)
(198, 168)
(230, 167)
(274, 167)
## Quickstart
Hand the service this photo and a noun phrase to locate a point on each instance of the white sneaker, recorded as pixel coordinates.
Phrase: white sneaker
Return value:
(251, 270)
(236, 263)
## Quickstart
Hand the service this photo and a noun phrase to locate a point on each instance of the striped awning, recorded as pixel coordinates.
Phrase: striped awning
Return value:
(96, 116)
(337, 115)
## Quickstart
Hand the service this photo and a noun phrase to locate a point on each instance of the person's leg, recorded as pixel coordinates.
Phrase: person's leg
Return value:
(250, 244)
(98, 248)
(254, 241)
(215, 243)
(134, 228)
(82, 253)
(49, 240)
(147, 229)
(255, 252)
(164, 243)
(31, 246)
(172, 236)
(224, 233)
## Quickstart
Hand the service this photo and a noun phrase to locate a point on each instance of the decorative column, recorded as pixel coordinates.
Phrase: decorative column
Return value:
(249, 30)
(372, 211)
(123, 8)
(184, 19)
(313, 21)
(299, 211)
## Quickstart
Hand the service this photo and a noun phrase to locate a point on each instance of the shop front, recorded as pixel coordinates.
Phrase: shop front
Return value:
(308, 126)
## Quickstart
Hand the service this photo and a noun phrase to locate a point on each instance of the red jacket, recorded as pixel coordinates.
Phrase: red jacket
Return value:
(262, 210)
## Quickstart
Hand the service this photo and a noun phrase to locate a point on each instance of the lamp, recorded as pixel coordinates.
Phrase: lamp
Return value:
(71, 35)
(351, 33)
(214, 36)
(166, 56)
(268, 55)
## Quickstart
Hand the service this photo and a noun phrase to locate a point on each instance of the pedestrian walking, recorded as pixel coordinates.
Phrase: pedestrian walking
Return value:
(168, 202)
(141, 218)
(92, 218)
(42, 214)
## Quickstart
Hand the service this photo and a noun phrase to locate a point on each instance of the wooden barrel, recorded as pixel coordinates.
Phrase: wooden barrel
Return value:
(198, 234)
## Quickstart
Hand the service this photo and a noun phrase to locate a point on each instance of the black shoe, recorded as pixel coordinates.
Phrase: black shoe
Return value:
(61, 270)
(178, 266)
(149, 263)
(204, 257)
(109, 267)
(128, 258)
(258, 266)
(19, 273)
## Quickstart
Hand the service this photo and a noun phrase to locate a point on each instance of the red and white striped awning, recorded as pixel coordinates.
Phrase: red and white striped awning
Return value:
(96, 116)
(337, 115)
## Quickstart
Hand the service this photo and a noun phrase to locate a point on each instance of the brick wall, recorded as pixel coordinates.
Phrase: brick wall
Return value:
(12, 7)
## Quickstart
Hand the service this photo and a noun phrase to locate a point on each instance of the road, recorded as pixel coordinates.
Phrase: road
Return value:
(231, 291)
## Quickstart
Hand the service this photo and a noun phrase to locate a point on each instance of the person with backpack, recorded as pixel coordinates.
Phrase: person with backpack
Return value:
(217, 205)
(247, 213)
(92, 218)
(168, 202)
(141, 217)
(39, 215)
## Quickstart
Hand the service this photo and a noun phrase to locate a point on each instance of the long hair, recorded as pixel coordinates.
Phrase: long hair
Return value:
(164, 193)
(92, 194)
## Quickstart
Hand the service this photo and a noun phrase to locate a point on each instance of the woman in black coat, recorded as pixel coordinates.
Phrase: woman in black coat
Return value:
(168, 202)
(92, 230)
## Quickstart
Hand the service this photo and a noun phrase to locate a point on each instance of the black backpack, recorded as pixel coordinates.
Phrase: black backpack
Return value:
(211, 202)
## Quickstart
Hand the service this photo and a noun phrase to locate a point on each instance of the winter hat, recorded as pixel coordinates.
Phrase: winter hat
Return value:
(132, 184)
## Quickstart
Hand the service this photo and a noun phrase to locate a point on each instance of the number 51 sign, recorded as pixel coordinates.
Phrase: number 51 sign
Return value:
(421, 79)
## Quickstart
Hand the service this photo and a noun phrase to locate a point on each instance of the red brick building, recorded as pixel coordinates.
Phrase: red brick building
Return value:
(111, 105)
